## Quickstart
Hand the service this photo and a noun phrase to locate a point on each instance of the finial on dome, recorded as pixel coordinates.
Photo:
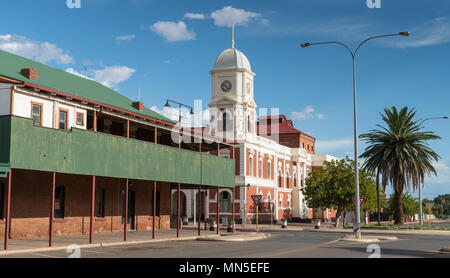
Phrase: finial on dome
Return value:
(232, 35)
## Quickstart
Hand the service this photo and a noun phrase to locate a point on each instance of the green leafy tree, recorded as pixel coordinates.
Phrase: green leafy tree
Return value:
(333, 186)
(410, 205)
(438, 210)
(399, 154)
(444, 201)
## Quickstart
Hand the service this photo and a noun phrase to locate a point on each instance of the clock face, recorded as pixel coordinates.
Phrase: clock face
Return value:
(226, 86)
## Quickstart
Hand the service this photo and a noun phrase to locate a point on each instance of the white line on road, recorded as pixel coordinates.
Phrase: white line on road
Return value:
(42, 255)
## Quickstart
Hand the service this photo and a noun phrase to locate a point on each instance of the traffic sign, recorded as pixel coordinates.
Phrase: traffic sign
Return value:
(256, 199)
(361, 200)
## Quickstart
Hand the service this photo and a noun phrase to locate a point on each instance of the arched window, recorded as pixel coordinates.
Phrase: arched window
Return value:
(280, 201)
(250, 166)
(289, 202)
(224, 122)
(280, 179)
(269, 170)
(295, 179)
(248, 123)
(225, 201)
(287, 180)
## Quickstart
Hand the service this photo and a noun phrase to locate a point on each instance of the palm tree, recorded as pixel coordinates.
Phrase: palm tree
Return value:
(399, 154)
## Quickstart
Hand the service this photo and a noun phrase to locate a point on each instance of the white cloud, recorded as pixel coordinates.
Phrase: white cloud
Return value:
(73, 71)
(43, 52)
(125, 38)
(307, 113)
(112, 76)
(108, 76)
(187, 119)
(194, 16)
(173, 31)
(333, 145)
(434, 32)
(228, 15)
(443, 173)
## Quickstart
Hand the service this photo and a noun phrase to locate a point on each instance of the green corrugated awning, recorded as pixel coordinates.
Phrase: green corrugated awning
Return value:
(4, 170)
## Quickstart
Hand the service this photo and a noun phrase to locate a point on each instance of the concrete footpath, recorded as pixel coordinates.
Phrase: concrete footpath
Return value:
(31, 245)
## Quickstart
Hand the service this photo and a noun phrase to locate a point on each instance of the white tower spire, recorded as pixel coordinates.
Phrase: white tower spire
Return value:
(232, 35)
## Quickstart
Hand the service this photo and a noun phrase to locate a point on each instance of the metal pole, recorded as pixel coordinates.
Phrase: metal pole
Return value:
(257, 208)
(232, 209)
(234, 195)
(218, 215)
(8, 210)
(357, 223)
(204, 207)
(245, 210)
(199, 215)
(125, 221)
(378, 205)
(154, 209)
(52, 211)
(91, 229)
(420, 206)
(178, 212)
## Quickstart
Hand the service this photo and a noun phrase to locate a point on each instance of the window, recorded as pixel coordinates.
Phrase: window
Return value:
(280, 179)
(280, 202)
(63, 119)
(287, 180)
(260, 167)
(80, 119)
(2, 199)
(295, 179)
(269, 170)
(36, 113)
(224, 122)
(248, 123)
(289, 202)
(100, 202)
(250, 166)
(225, 201)
(157, 203)
(60, 192)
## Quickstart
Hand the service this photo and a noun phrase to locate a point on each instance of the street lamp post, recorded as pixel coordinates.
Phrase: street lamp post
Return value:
(179, 106)
(357, 223)
(420, 191)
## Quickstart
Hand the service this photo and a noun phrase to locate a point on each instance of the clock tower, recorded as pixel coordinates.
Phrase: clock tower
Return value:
(232, 106)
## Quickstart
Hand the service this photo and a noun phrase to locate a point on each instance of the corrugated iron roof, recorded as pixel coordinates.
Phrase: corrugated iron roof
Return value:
(59, 80)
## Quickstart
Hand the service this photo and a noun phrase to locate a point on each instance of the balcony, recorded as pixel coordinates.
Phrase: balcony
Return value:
(25, 146)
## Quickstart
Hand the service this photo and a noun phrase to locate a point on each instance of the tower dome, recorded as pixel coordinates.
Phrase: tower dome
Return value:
(232, 59)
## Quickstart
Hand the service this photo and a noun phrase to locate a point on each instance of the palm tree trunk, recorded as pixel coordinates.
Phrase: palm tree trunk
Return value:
(398, 207)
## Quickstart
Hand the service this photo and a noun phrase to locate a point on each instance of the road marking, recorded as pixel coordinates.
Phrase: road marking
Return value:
(92, 251)
(42, 255)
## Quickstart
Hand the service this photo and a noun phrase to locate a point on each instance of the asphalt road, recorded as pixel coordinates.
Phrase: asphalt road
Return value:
(282, 244)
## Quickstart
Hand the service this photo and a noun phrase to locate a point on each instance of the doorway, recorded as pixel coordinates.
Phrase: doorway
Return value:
(174, 214)
(131, 209)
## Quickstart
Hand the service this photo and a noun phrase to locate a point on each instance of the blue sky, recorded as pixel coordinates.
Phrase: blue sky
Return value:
(166, 48)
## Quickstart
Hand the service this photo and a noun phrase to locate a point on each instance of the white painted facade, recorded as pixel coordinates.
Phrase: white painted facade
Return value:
(232, 67)
(23, 99)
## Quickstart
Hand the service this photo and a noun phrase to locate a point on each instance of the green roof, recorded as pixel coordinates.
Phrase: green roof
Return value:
(59, 80)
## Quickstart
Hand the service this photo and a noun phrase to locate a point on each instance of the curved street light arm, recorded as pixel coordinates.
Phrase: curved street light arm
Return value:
(434, 118)
(331, 42)
(376, 37)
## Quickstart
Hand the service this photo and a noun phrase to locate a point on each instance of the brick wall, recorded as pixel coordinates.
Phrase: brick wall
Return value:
(31, 201)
